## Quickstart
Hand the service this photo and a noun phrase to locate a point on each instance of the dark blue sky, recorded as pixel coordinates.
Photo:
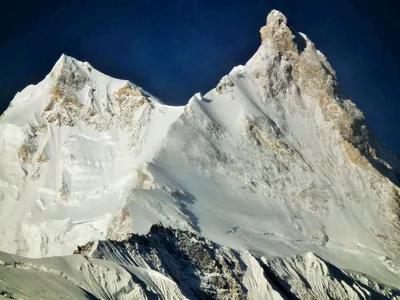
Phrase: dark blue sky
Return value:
(176, 48)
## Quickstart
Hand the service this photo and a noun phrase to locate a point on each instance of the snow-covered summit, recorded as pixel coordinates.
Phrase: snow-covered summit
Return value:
(72, 147)
(272, 160)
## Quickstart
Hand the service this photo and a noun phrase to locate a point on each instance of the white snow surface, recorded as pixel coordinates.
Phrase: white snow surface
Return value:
(78, 277)
(68, 182)
(268, 161)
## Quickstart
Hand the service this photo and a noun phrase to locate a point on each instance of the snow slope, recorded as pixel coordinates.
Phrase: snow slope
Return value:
(273, 160)
(68, 162)
(77, 277)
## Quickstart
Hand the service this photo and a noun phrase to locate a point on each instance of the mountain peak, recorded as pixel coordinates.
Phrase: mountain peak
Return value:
(62, 62)
(276, 18)
(66, 60)
(284, 40)
(70, 72)
(85, 156)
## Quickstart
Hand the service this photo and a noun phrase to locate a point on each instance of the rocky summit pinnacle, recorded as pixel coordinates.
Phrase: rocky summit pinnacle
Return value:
(272, 178)
(276, 24)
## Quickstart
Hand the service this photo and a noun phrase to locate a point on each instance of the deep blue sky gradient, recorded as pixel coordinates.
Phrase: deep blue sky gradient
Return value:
(174, 48)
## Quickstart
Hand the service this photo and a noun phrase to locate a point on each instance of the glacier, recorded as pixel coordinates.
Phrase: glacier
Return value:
(274, 165)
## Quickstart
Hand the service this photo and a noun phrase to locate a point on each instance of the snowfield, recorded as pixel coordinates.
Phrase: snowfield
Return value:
(280, 173)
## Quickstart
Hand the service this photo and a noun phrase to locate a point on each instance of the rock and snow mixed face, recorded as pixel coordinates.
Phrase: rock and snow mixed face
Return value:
(272, 160)
(72, 148)
(174, 264)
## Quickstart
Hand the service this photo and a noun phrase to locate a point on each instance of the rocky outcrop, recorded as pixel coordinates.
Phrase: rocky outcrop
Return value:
(204, 270)
(198, 266)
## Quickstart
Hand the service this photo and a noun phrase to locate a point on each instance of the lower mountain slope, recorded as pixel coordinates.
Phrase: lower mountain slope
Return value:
(168, 263)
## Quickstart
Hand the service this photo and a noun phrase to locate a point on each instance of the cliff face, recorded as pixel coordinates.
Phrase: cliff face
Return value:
(273, 160)
(292, 63)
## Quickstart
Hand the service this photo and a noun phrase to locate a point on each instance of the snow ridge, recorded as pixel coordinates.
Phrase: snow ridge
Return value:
(205, 270)
(168, 263)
